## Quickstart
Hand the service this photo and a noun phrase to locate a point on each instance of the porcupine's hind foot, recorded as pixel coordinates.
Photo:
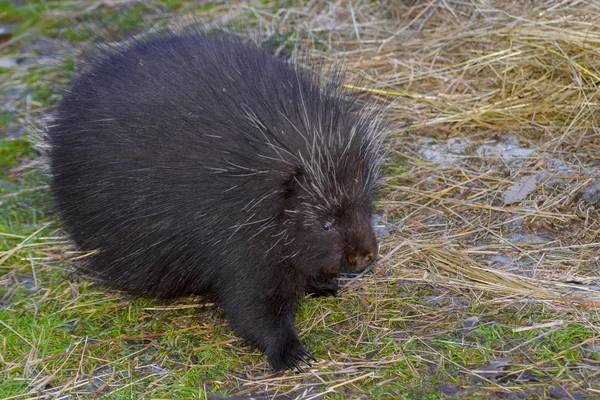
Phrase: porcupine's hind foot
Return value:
(325, 288)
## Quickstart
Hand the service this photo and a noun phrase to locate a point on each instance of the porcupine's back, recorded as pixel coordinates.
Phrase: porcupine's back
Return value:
(171, 158)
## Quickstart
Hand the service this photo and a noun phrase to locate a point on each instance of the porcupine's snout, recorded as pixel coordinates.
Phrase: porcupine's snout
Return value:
(357, 262)
(360, 254)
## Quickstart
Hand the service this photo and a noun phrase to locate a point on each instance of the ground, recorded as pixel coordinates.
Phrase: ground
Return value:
(489, 281)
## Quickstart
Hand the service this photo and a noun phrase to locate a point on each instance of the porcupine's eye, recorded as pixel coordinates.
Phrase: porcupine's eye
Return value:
(326, 226)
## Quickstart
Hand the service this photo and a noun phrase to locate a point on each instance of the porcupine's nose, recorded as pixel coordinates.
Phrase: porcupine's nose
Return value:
(358, 262)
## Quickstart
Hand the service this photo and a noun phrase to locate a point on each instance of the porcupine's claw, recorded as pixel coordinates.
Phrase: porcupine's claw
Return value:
(291, 364)
(307, 354)
(295, 353)
(299, 357)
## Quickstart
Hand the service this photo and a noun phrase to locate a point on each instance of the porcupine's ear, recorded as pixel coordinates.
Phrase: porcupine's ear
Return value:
(292, 183)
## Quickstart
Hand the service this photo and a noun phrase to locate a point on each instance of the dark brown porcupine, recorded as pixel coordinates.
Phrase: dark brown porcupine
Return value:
(197, 165)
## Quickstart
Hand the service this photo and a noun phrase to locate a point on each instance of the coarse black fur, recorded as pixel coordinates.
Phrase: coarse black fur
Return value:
(196, 165)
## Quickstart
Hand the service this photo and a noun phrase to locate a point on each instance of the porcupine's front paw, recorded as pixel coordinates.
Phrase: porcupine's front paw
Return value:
(288, 354)
(324, 289)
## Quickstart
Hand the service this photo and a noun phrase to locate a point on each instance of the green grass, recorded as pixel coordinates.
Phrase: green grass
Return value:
(393, 341)
(59, 316)
(11, 151)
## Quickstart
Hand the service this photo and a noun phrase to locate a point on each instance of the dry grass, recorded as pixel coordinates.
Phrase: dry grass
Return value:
(480, 95)
(524, 75)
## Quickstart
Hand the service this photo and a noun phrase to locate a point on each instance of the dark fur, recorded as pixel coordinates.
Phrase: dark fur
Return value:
(204, 166)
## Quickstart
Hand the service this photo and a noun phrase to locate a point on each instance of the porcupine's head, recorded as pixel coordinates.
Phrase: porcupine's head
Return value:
(330, 195)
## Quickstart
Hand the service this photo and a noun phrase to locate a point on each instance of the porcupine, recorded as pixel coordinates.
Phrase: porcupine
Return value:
(202, 165)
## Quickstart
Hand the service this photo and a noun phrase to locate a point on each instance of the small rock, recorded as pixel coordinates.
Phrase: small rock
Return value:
(593, 348)
(579, 395)
(28, 283)
(502, 261)
(438, 301)
(492, 371)
(590, 194)
(98, 379)
(529, 376)
(471, 322)
(515, 152)
(7, 62)
(556, 392)
(458, 145)
(155, 369)
(449, 389)
(7, 31)
(441, 154)
(508, 150)
(522, 188)
(521, 238)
